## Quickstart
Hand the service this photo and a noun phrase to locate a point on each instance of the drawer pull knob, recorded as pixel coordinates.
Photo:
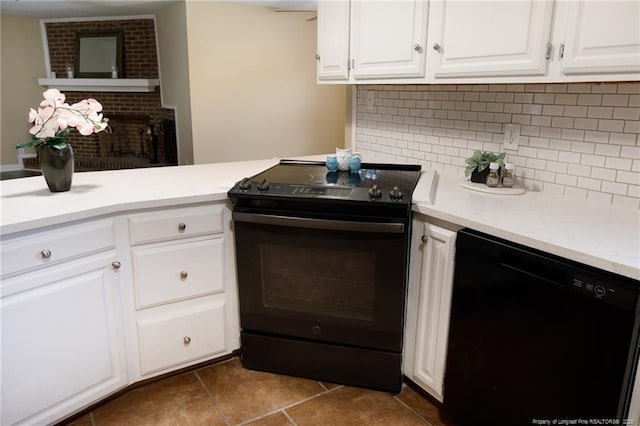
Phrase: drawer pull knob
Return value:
(182, 227)
(437, 47)
(116, 265)
(424, 238)
(46, 254)
(183, 275)
(186, 340)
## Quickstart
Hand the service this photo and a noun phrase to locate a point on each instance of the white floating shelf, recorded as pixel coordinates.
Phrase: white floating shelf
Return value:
(101, 84)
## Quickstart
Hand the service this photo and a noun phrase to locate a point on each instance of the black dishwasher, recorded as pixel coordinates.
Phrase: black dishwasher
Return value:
(537, 337)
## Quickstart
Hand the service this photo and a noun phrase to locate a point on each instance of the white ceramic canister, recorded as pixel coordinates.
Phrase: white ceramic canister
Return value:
(344, 155)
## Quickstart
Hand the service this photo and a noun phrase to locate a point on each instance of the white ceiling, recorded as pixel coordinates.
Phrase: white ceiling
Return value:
(99, 8)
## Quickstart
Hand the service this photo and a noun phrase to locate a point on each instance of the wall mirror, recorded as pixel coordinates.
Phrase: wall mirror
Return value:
(97, 54)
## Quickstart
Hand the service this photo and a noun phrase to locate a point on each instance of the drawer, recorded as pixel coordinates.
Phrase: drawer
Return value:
(180, 337)
(178, 271)
(38, 249)
(176, 223)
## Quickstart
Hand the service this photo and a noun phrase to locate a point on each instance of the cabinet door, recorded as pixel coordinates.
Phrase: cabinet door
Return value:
(62, 341)
(333, 40)
(489, 38)
(430, 287)
(602, 37)
(388, 38)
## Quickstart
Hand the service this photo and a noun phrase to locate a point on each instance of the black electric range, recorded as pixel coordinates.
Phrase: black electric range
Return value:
(292, 184)
(322, 264)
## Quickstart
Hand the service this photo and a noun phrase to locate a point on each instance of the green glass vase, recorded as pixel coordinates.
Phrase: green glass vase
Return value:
(57, 167)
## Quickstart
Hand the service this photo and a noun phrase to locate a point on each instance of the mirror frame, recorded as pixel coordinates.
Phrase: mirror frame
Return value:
(82, 36)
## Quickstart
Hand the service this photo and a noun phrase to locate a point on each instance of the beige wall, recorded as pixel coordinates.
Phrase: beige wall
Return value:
(242, 79)
(253, 85)
(22, 64)
(171, 23)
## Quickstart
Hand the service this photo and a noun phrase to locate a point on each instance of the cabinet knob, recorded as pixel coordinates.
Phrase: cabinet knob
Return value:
(317, 58)
(45, 254)
(437, 47)
(417, 48)
(183, 275)
(424, 238)
(182, 227)
(186, 340)
(116, 265)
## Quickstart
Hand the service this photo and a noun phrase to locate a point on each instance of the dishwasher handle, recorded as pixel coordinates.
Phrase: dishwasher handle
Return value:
(541, 268)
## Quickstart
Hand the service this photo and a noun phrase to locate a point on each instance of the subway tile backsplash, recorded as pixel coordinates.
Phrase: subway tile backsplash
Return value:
(579, 140)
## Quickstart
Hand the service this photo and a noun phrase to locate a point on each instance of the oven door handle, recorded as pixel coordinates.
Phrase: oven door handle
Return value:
(331, 225)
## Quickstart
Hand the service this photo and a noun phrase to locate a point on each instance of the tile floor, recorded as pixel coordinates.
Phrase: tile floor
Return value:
(227, 394)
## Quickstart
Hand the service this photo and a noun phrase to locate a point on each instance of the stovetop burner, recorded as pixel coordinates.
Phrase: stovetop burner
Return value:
(379, 183)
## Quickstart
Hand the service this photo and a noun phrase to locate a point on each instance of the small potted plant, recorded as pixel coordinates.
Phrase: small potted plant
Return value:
(478, 164)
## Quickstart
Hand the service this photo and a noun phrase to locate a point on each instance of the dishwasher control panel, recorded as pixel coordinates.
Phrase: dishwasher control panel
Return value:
(600, 288)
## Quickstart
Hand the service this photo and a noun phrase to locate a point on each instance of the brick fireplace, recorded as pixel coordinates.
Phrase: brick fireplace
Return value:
(137, 119)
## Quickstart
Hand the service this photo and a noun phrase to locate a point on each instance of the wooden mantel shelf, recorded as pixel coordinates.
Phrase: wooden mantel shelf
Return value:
(101, 84)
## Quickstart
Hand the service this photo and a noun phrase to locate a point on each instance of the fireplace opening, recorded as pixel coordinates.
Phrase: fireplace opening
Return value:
(132, 142)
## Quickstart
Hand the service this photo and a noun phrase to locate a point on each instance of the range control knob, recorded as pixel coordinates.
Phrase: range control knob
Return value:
(374, 192)
(245, 184)
(263, 186)
(395, 194)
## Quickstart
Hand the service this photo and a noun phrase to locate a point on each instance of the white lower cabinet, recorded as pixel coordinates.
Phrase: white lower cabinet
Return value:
(181, 307)
(429, 303)
(90, 307)
(62, 340)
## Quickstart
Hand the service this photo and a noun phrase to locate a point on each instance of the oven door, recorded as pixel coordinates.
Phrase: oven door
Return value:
(334, 281)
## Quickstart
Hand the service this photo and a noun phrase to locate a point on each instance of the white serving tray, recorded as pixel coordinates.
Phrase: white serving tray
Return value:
(481, 187)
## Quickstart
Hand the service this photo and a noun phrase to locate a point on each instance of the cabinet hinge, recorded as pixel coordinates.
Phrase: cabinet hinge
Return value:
(561, 53)
(548, 54)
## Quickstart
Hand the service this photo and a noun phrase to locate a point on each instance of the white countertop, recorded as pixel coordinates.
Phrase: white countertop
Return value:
(602, 236)
(27, 203)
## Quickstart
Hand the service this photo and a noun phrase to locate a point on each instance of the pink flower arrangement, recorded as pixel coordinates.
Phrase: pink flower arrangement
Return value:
(54, 119)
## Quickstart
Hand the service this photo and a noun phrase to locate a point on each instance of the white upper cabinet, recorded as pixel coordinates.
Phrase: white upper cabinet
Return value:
(489, 38)
(388, 39)
(602, 37)
(333, 40)
(371, 40)
(478, 41)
